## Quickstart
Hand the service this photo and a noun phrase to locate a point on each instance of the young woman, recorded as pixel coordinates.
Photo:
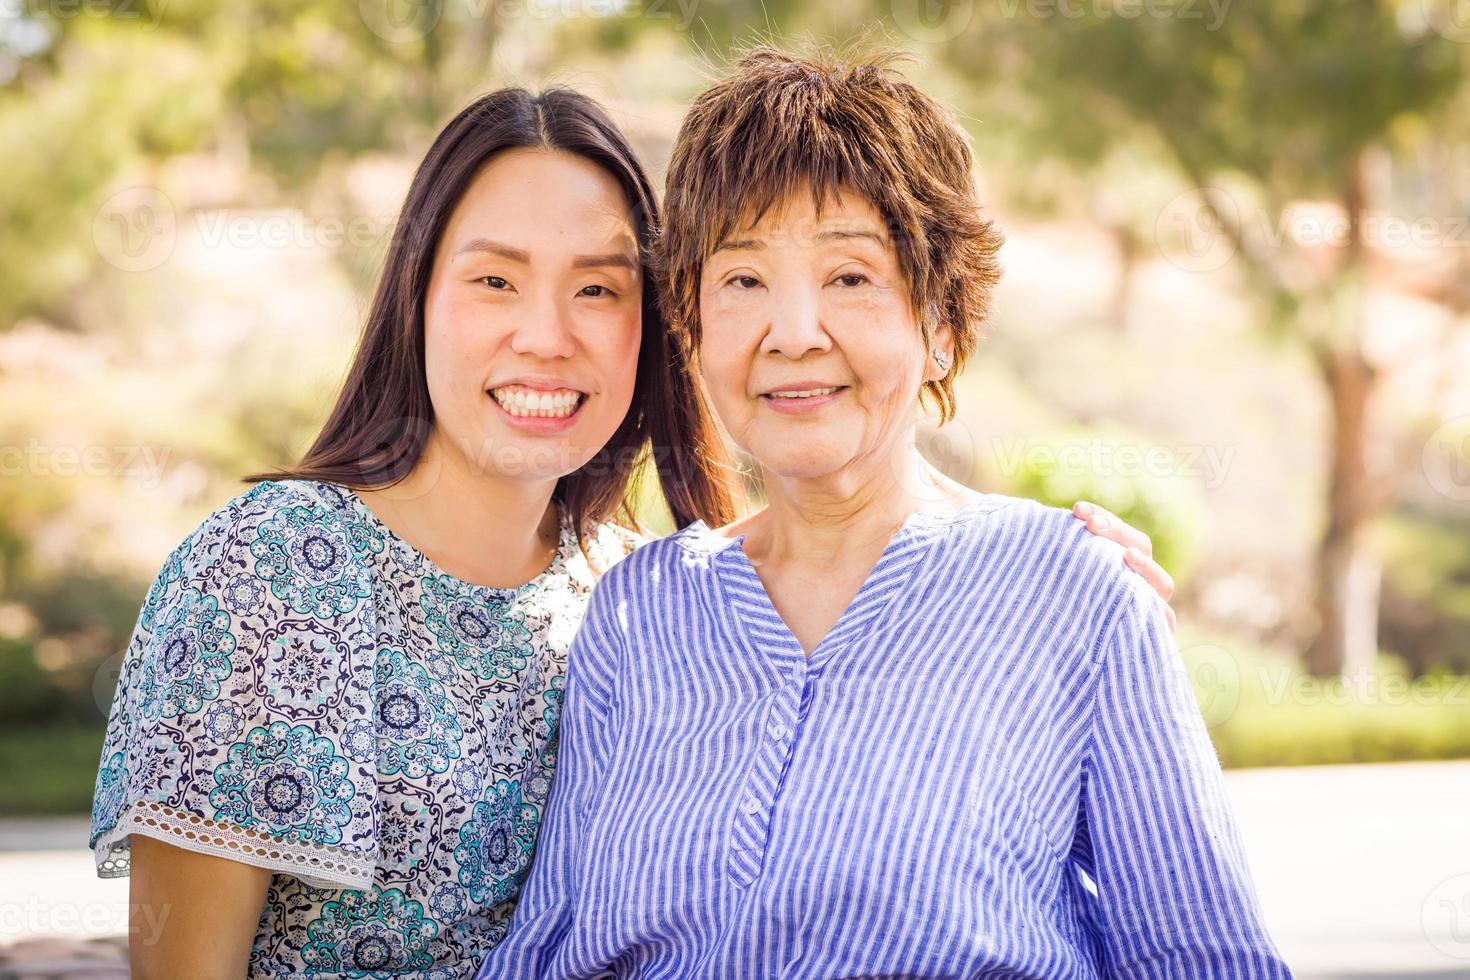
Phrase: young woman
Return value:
(335, 727)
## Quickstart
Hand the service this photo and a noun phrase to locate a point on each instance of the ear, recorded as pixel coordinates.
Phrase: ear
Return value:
(941, 338)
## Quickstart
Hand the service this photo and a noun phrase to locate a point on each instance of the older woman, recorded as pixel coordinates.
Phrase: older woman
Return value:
(885, 726)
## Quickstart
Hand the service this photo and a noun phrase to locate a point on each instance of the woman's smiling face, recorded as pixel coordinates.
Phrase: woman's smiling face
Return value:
(533, 315)
(810, 348)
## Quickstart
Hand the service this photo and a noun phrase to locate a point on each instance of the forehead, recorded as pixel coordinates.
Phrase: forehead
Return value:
(546, 195)
(802, 210)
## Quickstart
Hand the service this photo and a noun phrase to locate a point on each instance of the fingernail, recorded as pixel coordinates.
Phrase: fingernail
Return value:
(1082, 509)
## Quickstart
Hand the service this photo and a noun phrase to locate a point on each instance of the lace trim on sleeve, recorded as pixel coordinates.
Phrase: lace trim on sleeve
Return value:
(318, 865)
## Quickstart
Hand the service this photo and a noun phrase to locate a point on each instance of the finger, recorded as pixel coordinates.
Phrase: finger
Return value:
(1173, 623)
(1106, 524)
(1153, 573)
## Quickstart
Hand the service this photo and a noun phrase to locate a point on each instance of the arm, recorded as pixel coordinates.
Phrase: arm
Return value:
(548, 903)
(192, 739)
(1139, 547)
(193, 916)
(1156, 832)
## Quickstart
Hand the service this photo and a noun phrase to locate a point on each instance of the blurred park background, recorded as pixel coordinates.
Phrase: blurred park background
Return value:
(1236, 311)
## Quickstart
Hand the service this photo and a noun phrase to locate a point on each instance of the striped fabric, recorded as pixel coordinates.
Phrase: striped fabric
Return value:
(992, 766)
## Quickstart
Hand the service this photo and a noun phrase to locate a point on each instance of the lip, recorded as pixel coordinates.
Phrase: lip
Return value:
(540, 382)
(801, 406)
(533, 424)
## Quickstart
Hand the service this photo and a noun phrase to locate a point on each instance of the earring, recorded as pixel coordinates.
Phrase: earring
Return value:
(942, 358)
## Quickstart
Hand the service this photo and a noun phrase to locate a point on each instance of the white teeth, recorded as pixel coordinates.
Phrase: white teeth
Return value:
(527, 403)
(802, 394)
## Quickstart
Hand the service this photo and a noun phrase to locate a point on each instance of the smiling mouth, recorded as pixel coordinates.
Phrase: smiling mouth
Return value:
(529, 403)
(806, 393)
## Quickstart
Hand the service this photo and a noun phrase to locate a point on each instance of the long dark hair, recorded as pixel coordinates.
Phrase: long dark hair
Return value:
(377, 431)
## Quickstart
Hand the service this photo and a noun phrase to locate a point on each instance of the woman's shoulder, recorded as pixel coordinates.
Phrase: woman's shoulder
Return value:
(303, 540)
(270, 498)
(1044, 549)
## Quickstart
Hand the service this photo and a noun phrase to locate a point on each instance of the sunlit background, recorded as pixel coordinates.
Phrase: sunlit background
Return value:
(1236, 311)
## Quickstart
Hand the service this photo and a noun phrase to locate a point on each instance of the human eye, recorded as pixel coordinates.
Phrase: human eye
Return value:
(596, 291)
(851, 280)
(494, 282)
(743, 281)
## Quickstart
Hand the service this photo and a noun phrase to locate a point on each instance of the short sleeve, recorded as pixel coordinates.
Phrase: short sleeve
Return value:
(243, 724)
(1156, 834)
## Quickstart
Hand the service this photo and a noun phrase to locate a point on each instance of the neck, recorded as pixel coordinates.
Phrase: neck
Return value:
(856, 509)
(475, 524)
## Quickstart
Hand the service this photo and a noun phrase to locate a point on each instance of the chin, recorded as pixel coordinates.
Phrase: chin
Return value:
(533, 459)
(803, 463)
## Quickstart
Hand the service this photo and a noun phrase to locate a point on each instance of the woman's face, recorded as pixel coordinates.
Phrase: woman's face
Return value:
(533, 316)
(810, 348)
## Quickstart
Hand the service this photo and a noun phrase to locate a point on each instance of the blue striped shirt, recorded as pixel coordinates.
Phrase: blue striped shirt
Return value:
(992, 766)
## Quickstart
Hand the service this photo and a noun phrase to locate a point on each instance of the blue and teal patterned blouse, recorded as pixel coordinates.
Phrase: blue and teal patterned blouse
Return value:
(306, 692)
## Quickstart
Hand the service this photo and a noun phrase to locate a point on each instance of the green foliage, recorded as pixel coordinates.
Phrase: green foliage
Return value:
(28, 695)
(1286, 92)
(1122, 472)
(50, 770)
(1425, 616)
(1264, 710)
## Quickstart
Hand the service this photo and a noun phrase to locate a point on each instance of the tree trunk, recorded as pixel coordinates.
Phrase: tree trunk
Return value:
(1347, 572)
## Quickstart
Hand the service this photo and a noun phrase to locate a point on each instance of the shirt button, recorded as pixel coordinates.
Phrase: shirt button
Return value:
(751, 806)
(777, 730)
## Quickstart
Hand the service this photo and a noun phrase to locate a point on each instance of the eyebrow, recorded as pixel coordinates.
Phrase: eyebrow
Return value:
(620, 259)
(831, 235)
(843, 234)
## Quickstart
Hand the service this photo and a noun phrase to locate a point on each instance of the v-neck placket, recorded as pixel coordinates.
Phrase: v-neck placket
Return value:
(768, 638)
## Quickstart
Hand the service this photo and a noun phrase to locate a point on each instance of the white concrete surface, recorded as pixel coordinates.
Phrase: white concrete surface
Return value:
(1363, 873)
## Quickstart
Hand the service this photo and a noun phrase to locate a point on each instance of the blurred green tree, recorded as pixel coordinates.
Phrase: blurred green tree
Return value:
(1256, 108)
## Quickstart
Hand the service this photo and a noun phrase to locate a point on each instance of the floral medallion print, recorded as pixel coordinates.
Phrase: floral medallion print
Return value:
(223, 721)
(302, 663)
(172, 571)
(287, 781)
(111, 785)
(475, 626)
(305, 680)
(244, 595)
(370, 934)
(494, 849)
(315, 562)
(418, 731)
(192, 645)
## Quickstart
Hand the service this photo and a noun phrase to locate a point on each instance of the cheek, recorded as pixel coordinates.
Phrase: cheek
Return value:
(883, 347)
(458, 340)
(727, 346)
(614, 345)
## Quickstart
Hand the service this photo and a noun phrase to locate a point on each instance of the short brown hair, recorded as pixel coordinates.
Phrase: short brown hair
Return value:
(780, 121)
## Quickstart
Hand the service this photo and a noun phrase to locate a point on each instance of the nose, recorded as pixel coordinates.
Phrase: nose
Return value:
(543, 330)
(796, 325)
